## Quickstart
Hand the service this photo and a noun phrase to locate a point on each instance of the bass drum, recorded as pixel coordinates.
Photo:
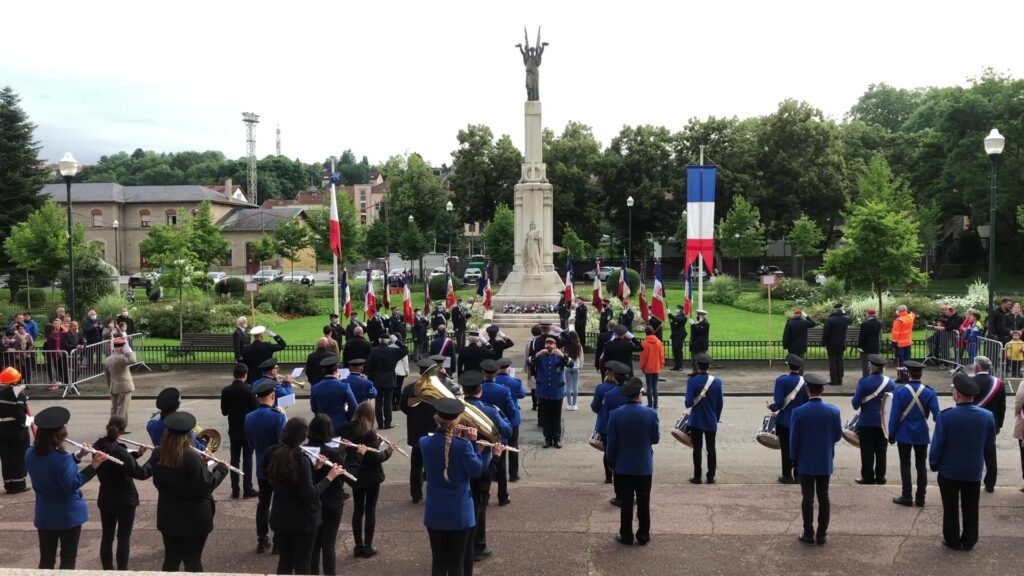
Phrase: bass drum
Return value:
(767, 436)
(681, 431)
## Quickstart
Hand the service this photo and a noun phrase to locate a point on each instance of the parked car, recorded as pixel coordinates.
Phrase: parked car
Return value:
(143, 279)
(5, 279)
(767, 270)
(602, 275)
(472, 275)
(217, 276)
(376, 275)
(439, 271)
(395, 276)
(266, 276)
(704, 272)
(303, 277)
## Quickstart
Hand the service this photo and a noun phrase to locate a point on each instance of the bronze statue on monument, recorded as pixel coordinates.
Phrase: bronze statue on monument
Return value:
(531, 58)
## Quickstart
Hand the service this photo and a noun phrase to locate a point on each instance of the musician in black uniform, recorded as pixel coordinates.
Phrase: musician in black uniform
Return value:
(497, 342)
(992, 398)
(332, 500)
(459, 317)
(607, 315)
(473, 353)
(607, 333)
(562, 308)
(580, 320)
(185, 485)
(700, 338)
(438, 318)
(259, 351)
(622, 347)
(337, 330)
(677, 330)
(236, 401)
(118, 496)
(375, 330)
(419, 422)
(14, 437)
(419, 334)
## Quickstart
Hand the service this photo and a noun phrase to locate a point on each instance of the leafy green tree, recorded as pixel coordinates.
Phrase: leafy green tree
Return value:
(681, 233)
(94, 278)
(484, 172)
(377, 241)
(263, 249)
(885, 106)
(39, 243)
(741, 232)
(292, 237)
(574, 244)
(807, 239)
(413, 243)
(172, 248)
(413, 188)
(350, 170)
(207, 241)
(733, 146)
(21, 175)
(499, 236)
(351, 232)
(929, 217)
(573, 159)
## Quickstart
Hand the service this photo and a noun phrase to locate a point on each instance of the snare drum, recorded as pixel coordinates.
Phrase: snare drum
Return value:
(767, 436)
(596, 443)
(681, 431)
(850, 430)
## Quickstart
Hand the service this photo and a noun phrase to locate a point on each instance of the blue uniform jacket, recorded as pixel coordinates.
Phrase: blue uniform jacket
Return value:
(449, 504)
(964, 434)
(515, 387)
(280, 388)
(632, 434)
(613, 399)
(914, 428)
(361, 386)
(784, 387)
(814, 431)
(57, 482)
(156, 427)
(501, 423)
(870, 412)
(263, 429)
(335, 398)
(501, 398)
(707, 414)
(550, 376)
(597, 406)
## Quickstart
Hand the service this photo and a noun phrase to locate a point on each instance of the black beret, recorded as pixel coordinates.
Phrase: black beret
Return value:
(265, 388)
(504, 362)
(966, 385)
(794, 360)
(817, 380)
(470, 380)
(356, 362)
(53, 418)
(876, 360)
(702, 358)
(620, 329)
(632, 387)
(437, 358)
(425, 363)
(617, 368)
(268, 363)
(489, 365)
(329, 362)
(180, 422)
(492, 329)
(449, 408)
(168, 398)
(914, 365)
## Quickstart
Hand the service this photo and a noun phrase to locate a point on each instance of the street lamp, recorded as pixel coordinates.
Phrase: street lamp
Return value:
(629, 259)
(411, 220)
(68, 169)
(449, 207)
(994, 148)
(117, 254)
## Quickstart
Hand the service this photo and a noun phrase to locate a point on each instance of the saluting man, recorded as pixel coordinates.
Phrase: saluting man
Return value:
(868, 399)
(632, 434)
(817, 427)
(912, 404)
(790, 394)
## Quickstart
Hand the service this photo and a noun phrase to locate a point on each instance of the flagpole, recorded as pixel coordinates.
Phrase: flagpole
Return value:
(334, 256)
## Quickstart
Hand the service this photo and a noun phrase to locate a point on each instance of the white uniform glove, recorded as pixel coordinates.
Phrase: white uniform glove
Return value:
(271, 333)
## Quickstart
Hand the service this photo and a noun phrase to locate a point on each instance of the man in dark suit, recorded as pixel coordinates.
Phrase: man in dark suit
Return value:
(443, 346)
(497, 341)
(375, 329)
(816, 427)
(314, 372)
(580, 321)
(350, 330)
(606, 315)
(240, 338)
(632, 433)
(260, 350)
(991, 397)
(833, 338)
(336, 329)
(419, 422)
(562, 308)
(607, 333)
(419, 335)
(794, 335)
(380, 366)
(700, 338)
(626, 316)
(473, 353)
(870, 339)
(236, 401)
(965, 437)
(622, 347)
(677, 329)
(356, 346)
(459, 317)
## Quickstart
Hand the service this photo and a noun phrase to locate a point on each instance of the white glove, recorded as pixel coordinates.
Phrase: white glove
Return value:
(271, 333)
(394, 338)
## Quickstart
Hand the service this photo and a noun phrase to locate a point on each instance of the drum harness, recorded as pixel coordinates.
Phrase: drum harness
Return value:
(915, 396)
(703, 392)
(876, 393)
(792, 395)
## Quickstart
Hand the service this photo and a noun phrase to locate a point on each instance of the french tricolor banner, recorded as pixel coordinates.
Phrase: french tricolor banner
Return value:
(596, 298)
(570, 278)
(658, 301)
(407, 301)
(370, 302)
(700, 219)
(346, 296)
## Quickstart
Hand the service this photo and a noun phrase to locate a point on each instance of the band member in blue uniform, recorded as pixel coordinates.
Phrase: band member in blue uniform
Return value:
(451, 459)
(167, 402)
(604, 402)
(501, 398)
(965, 436)
(57, 482)
(632, 433)
(263, 428)
(550, 364)
(912, 404)
(705, 398)
(332, 396)
(790, 394)
(868, 398)
(518, 391)
(816, 427)
(362, 388)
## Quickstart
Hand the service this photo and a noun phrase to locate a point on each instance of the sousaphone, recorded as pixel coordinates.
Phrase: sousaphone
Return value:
(430, 388)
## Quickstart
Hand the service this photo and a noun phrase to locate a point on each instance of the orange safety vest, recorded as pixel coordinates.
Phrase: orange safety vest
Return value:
(903, 329)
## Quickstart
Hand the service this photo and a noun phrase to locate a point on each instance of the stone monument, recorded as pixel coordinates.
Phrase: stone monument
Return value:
(533, 279)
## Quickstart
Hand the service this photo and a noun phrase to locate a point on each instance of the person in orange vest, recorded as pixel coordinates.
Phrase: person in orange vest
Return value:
(903, 333)
(652, 360)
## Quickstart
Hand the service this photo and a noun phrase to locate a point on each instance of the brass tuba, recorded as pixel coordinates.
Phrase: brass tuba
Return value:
(209, 436)
(430, 388)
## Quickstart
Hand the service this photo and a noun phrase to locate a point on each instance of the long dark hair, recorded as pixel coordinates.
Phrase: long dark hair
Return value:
(281, 470)
(572, 349)
(320, 429)
(115, 427)
(364, 418)
(50, 440)
(173, 446)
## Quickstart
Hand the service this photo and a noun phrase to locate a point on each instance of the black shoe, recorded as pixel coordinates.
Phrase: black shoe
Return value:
(919, 502)
(273, 549)
(535, 409)
(695, 480)
(623, 540)
(990, 489)
(357, 552)
(607, 479)
(710, 480)
(416, 499)
(558, 444)
(262, 547)
(234, 495)
(513, 478)
(251, 494)
(806, 538)
(786, 480)
(863, 481)
(369, 551)
(615, 502)
(821, 540)
(880, 481)
(643, 541)
(504, 501)
(951, 545)
(903, 501)
(548, 443)
(479, 555)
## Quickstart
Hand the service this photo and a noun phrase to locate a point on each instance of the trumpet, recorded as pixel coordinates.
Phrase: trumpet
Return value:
(94, 451)
(209, 456)
(392, 444)
(287, 378)
(327, 462)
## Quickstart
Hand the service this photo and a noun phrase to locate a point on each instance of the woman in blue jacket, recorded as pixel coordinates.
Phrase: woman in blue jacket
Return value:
(60, 508)
(450, 459)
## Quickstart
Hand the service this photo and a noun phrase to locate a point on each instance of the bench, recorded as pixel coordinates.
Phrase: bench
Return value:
(852, 335)
(190, 341)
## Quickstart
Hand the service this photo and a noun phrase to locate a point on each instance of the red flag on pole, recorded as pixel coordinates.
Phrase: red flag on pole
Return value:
(450, 299)
(596, 299)
(407, 301)
(370, 302)
(645, 312)
(335, 239)
(658, 298)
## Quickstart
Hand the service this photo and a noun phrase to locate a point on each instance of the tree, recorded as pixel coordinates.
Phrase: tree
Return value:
(885, 106)
(413, 243)
(207, 241)
(576, 246)
(172, 248)
(263, 249)
(414, 189)
(351, 232)
(21, 174)
(682, 233)
(499, 236)
(39, 245)
(377, 241)
(807, 239)
(292, 237)
(351, 171)
(929, 217)
(484, 172)
(741, 232)
(572, 160)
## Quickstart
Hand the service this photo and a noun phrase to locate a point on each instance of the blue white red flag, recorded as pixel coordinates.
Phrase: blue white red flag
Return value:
(370, 302)
(449, 295)
(658, 299)
(570, 277)
(346, 296)
(596, 300)
(700, 221)
(623, 285)
(407, 301)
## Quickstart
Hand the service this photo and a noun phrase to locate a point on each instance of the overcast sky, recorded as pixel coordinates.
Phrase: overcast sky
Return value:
(389, 77)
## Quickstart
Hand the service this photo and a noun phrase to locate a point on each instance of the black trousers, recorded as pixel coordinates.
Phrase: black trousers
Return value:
(513, 457)
(609, 466)
(1021, 443)
(480, 488)
(991, 468)
(698, 436)
(364, 514)
(416, 472)
(864, 364)
(873, 446)
(116, 521)
(382, 407)
(501, 476)
(396, 394)
(295, 552)
(324, 544)
(811, 486)
(184, 549)
(68, 540)
(460, 338)
(263, 510)
(920, 463)
(627, 489)
(550, 414)
(12, 460)
(677, 353)
(835, 367)
(787, 461)
(448, 551)
(241, 458)
(958, 497)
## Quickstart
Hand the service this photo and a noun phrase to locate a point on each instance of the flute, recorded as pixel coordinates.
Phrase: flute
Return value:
(137, 444)
(324, 459)
(487, 444)
(393, 445)
(94, 451)
(217, 460)
(350, 444)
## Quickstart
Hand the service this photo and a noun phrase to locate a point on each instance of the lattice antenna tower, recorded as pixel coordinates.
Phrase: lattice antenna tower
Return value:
(278, 139)
(251, 120)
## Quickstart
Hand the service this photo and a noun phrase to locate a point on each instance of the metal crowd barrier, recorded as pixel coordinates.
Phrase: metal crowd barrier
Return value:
(943, 348)
(993, 350)
(40, 367)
